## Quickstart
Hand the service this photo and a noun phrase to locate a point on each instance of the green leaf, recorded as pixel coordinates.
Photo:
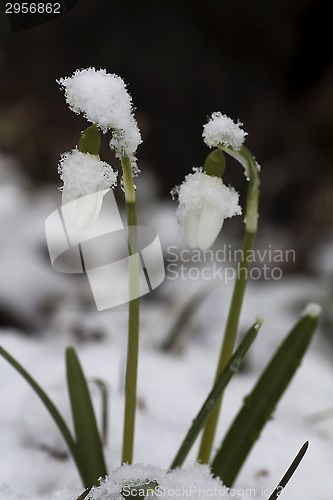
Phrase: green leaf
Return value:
(104, 391)
(259, 406)
(221, 383)
(88, 440)
(84, 494)
(183, 318)
(288, 475)
(50, 407)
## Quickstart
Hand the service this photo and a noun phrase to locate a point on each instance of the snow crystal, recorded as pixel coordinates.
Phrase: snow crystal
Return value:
(193, 483)
(103, 99)
(198, 189)
(84, 174)
(312, 310)
(221, 130)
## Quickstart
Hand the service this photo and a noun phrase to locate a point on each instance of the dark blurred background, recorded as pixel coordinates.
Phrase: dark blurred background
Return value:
(267, 63)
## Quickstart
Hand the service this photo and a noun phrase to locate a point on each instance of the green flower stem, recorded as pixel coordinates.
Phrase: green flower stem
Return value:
(251, 221)
(133, 315)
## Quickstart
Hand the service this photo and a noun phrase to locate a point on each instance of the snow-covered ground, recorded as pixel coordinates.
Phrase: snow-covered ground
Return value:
(51, 310)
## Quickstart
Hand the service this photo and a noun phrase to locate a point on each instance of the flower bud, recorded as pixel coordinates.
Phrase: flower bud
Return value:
(90, 140)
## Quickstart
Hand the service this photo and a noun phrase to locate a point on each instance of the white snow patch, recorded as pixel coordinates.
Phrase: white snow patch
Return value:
(194, 483)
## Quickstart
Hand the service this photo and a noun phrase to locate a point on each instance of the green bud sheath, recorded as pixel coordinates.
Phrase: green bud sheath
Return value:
(90, 140)
(215, 163)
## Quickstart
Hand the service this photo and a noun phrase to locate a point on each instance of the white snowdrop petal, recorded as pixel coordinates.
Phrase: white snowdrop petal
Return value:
(81, 213)
(222, 130)
(84, 174)
(190, 228)
(86, 179)
(204, 202)
(211, 222)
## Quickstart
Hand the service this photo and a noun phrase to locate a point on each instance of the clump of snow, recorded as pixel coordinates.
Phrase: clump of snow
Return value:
(199, 188)
(125, 141)
(83, 174)
(194, 483)
(222, 130)
(312, 310)
(103, 99)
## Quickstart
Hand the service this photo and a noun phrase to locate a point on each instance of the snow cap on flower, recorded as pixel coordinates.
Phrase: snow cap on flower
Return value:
(86, 180)
(204, 203)
(222, 130)
(84, 174)
(103, 99)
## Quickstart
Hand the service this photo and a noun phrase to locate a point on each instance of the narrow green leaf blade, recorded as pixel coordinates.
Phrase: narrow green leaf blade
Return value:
(260, 404)
(221, 383)
(84, 494)
(88, 440)
(290, 471)
(49, 405)
(182, 319)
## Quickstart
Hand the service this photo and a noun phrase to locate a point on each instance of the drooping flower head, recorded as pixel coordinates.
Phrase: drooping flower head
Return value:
(104, 101)
(84, 174)
(204, 203)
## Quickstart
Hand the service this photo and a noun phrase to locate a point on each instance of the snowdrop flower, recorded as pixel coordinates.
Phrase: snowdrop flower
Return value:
(84, 174)
(204, 203)
(103, 99)
(222, 131)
